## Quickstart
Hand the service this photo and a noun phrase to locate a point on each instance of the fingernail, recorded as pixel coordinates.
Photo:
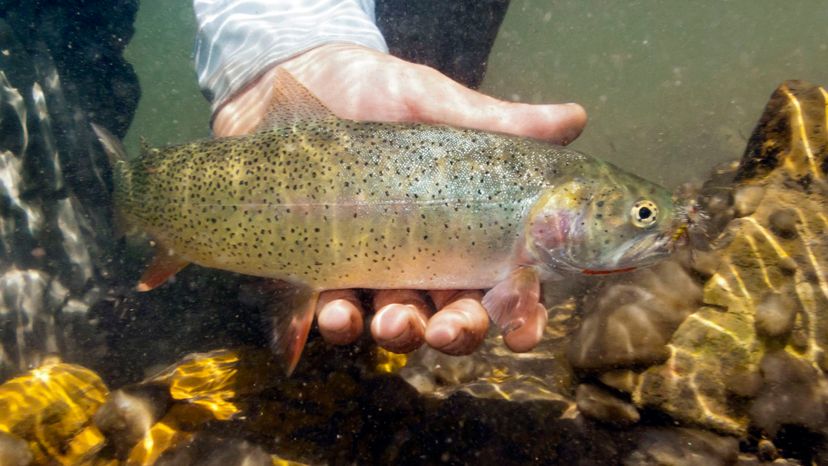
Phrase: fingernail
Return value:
(441, 337)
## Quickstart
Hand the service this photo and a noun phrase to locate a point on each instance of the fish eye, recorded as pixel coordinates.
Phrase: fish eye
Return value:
(644, 213)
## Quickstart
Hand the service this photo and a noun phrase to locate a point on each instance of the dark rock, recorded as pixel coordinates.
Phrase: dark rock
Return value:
(705, 263)
(744, 383)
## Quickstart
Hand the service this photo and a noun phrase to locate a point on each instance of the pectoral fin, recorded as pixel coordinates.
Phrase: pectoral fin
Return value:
(164, 265)
(511, 301)
(290, 310)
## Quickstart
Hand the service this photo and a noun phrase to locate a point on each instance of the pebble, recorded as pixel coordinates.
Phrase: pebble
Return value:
(775, 314)
(127, 415)
(766, 450)
(746, 200)
(621, 379)
(799, 340)
(421, 379)
(783, 223)
(601, 405)
(718, 202)
(705, 263)
(787, 265)
(14, 451)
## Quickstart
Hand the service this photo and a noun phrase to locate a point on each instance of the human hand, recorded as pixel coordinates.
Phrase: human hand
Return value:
(361, 84)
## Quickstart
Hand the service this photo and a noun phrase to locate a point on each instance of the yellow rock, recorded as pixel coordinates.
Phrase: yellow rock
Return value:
(51, 408)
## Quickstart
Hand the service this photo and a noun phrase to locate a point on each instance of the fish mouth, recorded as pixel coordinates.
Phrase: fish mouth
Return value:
(652, 248)
(642, 253)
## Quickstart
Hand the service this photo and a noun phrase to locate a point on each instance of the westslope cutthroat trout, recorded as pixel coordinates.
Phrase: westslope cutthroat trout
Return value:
(324, 203)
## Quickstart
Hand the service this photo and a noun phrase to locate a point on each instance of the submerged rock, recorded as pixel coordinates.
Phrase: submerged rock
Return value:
(631, 320)
(683, 447)
(208, 450)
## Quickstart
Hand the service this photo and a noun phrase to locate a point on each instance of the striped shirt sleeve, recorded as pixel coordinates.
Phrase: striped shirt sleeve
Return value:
(238, 40)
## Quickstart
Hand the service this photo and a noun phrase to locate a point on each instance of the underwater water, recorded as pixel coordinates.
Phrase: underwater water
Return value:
(715, 356)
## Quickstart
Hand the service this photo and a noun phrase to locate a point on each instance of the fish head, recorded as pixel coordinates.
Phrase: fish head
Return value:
(595, 225)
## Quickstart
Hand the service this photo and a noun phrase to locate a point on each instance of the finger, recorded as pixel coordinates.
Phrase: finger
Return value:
(358, 83)
(460, 324)
(528, 335)
(400, 320)
(442, 100)
(339, 316)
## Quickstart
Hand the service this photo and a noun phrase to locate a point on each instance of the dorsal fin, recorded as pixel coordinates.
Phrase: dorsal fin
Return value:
(292, 102)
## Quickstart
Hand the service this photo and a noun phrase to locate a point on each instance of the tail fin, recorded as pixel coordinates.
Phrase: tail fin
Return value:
(111, 144)
(118, 161)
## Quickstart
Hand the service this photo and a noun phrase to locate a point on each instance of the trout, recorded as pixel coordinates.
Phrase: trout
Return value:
(324, 203)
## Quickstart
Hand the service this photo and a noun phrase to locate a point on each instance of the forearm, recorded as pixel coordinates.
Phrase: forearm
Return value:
(238, 40)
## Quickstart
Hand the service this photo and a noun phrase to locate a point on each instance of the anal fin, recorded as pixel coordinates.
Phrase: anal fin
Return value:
(290, 310)
(164, 265)
(511, 302)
